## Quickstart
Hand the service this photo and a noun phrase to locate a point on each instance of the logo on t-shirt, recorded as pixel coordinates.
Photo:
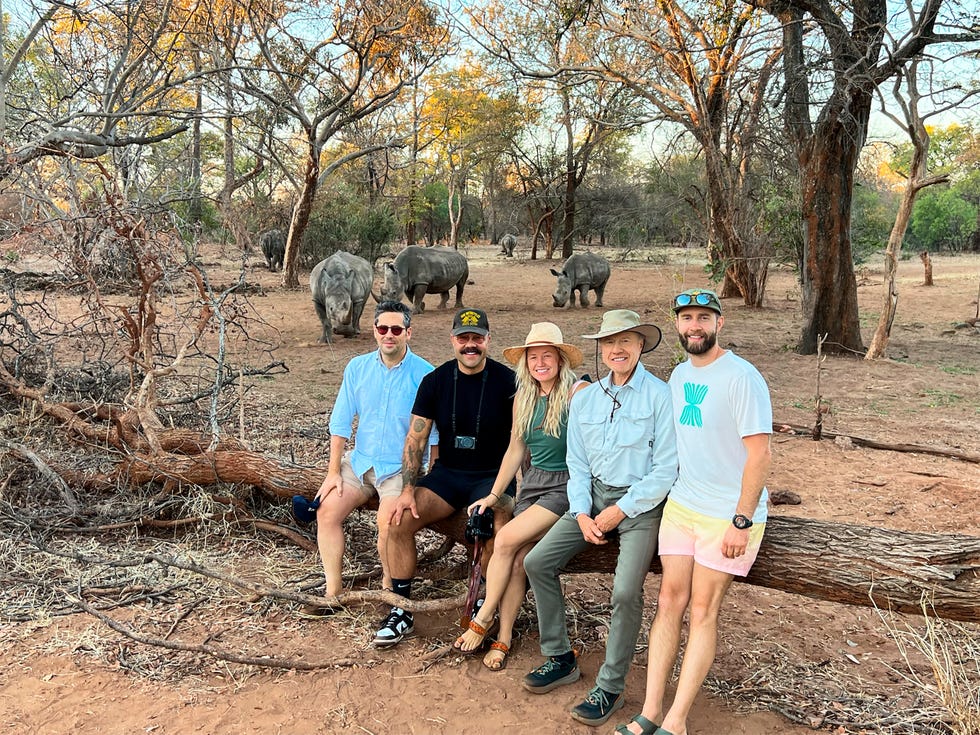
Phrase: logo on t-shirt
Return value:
(694, 395)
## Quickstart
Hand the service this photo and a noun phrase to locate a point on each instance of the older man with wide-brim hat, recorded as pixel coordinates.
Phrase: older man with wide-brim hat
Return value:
(622, 461)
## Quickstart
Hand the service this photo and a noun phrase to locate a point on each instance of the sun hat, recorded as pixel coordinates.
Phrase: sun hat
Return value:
(545, 334)
(697, 297)
(624, 320)
(471, 321)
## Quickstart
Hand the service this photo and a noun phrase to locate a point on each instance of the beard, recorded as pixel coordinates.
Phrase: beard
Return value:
(707, 342)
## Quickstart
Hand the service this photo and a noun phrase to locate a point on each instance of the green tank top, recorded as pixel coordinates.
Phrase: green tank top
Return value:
(547, 452)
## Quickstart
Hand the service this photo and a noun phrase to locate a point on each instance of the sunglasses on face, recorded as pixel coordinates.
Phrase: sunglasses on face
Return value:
(383, 329)
(686, 299)
(465, 338)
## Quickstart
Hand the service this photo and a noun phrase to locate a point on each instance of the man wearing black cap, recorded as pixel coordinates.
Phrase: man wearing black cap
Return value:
(470, 401)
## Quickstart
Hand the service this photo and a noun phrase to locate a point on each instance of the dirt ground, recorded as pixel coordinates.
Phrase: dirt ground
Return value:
(786, 663)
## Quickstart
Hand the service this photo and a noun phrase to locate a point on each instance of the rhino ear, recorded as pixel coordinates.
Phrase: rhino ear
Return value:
(555, 273)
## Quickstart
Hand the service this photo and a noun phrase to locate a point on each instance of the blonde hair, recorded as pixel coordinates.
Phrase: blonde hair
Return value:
(528, 389)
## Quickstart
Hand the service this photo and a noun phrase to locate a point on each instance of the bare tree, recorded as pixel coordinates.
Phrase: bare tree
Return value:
(334, 67)
(546, 44)
(835, 57)
(109, 84)
(907, 95)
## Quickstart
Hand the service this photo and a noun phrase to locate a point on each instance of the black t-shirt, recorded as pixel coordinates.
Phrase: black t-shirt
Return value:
(435, 399)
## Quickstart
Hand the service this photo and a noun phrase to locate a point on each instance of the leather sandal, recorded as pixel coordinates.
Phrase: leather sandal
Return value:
(480, 631)
(496, 658)
(646, 726)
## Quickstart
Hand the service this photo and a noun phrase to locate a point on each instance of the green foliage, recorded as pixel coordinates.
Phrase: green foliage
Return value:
(872, 217)
(343, 219)
(941, 219)
(780, 214)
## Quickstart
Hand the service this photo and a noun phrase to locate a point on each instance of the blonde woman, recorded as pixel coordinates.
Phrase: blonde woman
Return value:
(545, 385)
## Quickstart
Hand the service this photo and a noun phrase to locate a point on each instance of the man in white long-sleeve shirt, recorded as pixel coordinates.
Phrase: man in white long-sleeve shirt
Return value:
(622, 461)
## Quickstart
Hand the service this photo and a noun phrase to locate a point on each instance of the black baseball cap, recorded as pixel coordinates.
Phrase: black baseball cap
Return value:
(471, 321)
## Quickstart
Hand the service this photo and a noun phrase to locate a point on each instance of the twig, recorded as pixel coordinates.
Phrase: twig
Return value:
(268, 661)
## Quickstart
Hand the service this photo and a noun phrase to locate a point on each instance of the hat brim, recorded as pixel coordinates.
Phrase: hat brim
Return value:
(470, 330)
(650, 332)
(573, 355)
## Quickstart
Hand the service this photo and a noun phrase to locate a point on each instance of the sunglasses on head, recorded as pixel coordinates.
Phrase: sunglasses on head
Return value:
(383, 329)
(686, 299)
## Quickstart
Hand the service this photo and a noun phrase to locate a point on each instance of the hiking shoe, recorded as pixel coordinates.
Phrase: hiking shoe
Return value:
(598, 707)
(551, 674)
(396, 626)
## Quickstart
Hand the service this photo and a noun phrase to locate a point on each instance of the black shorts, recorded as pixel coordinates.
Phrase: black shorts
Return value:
(460, 488)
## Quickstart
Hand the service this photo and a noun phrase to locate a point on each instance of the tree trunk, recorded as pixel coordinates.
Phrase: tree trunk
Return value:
(301, 216)
(927, 267)
(889, 303)
(829, 286)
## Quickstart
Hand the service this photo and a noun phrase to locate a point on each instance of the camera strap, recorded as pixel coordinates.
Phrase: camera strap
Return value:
(479, 407)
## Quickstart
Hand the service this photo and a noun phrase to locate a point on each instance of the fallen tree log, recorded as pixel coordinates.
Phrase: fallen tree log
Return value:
(857, 565)
(842, 562)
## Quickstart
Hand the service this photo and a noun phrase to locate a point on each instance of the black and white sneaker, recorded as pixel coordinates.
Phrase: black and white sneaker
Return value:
(396, 626)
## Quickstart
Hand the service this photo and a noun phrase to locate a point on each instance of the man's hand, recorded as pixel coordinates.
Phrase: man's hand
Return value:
(590, 530)
(609, 518)
(405, 501)
(735, 542)
(331, 482)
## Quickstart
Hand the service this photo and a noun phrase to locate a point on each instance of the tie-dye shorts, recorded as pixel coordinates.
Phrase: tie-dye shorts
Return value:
(684, 532)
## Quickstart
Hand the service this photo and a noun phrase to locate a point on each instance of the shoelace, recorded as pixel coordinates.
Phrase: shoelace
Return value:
(548, 666)
(597, 698)
(394, 618)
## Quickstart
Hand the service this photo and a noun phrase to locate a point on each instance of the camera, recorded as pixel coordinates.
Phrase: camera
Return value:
(465, 442)
(478, 525)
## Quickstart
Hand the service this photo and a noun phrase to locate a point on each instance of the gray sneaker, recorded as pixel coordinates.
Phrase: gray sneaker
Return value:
(551, 674)
(396, 626)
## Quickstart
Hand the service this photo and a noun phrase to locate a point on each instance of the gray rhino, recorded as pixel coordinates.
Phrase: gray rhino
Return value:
(273, 244)
(418, 271)
(581, 272)
(507, 244)
(340, 286)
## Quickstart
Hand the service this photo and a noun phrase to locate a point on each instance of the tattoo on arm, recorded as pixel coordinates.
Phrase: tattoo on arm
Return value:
(415, 442)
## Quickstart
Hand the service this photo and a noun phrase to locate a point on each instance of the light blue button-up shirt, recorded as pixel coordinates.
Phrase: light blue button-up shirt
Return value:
(634, 448)
(382, 399)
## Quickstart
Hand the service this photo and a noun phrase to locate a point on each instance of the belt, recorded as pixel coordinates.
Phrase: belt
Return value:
(600, 485)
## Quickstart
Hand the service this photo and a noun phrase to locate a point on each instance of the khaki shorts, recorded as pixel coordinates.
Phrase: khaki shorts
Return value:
(390, 488)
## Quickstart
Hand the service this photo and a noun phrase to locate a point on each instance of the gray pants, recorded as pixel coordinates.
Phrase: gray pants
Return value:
(637, 545)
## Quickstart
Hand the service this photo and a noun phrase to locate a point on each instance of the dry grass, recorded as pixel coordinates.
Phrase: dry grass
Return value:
(942, 661)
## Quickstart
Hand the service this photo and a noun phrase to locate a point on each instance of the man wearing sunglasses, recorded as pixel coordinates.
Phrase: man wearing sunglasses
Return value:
(378, 388)
(715, 514)
(469, 401)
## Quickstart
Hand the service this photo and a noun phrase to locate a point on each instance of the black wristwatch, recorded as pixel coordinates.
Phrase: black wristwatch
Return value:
(741, 522)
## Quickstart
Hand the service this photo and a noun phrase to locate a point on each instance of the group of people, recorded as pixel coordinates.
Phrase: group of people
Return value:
(673, 468)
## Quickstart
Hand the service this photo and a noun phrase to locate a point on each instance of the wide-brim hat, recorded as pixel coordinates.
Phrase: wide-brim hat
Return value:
(624, 320)
(545, 334)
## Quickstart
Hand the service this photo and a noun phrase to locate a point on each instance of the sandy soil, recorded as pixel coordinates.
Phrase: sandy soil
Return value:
(818, 662)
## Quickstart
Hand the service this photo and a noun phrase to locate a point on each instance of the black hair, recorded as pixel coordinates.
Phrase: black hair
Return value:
(394, 307)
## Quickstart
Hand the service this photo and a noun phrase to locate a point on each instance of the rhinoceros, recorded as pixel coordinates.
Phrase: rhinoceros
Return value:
(581, 272)
(273, 244)
(340, 286)
(507, 244)
(418, 271)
